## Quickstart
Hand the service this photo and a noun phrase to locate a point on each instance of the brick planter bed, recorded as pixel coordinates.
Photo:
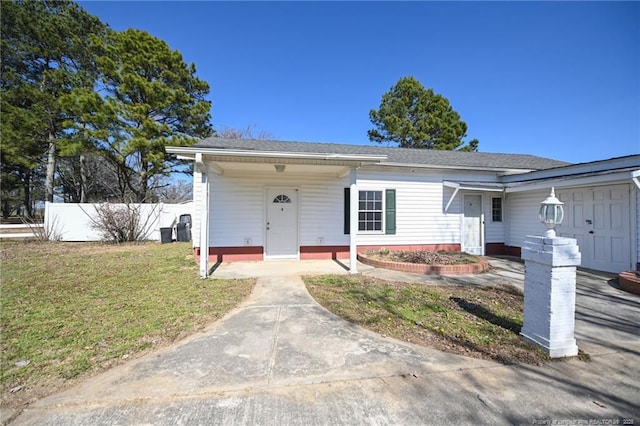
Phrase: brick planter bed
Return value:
(630, 282)
(420, 268)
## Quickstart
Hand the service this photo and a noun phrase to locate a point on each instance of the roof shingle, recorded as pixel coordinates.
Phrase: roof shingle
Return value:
(403, 156)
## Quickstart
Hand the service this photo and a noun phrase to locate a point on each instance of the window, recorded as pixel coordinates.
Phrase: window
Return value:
(281, 199)
(375, 214)
(370, 211)
(496, 209)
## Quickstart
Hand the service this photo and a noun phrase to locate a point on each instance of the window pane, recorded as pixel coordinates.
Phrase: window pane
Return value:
(370, 211)
(496, 209)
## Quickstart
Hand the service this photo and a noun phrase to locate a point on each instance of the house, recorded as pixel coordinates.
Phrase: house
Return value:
(261, 200)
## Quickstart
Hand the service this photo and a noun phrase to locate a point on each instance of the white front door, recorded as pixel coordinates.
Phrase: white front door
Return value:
(599, 218)
(282, 223)
(472, 224)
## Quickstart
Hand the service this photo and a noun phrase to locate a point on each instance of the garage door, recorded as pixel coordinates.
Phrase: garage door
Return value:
(599, 218)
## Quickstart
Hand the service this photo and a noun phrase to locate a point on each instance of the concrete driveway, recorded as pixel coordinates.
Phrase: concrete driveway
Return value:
(280, 358)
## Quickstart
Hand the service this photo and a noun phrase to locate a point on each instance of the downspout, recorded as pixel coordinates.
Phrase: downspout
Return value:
(204, 216)
(353, 221)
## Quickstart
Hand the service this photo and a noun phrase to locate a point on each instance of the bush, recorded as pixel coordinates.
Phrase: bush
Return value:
(121, 223)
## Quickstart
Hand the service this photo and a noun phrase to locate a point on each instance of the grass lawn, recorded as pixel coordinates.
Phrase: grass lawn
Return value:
(475, 321)
(68, 310)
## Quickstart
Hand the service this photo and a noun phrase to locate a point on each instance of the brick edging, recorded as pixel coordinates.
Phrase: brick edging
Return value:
(481, 265)
(630, 282)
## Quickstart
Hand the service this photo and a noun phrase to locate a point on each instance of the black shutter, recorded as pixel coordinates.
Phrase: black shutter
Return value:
(347, 209)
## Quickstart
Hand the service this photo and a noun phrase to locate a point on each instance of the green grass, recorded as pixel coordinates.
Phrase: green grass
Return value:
(71, 309)
(482, 322)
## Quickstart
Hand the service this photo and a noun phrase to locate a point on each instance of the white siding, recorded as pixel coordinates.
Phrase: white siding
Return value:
(237, 207)
(420, 217)
(238, 202)
(523, 216)
(494, 231)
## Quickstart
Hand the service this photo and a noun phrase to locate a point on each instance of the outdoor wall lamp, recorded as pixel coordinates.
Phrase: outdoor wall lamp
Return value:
(551, 213)
(279, 167)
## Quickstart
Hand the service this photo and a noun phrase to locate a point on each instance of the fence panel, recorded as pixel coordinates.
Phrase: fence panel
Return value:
(75, 222)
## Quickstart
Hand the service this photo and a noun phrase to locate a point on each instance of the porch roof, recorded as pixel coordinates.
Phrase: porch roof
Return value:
(246, 149)
(239, 155)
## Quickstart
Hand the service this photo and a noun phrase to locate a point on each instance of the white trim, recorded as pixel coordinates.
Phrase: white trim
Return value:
(568, 181)
(572, 170)
(455, 192)
(501, 208)
(505, 170)
(635, 177)
(475, 186)
(383, 219)
(274, 154)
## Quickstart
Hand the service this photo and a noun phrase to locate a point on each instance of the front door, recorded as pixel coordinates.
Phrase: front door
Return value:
(471, 224)
(598, 217)
(282, 223)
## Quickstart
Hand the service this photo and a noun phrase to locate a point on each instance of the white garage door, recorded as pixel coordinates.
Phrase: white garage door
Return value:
(599, 218)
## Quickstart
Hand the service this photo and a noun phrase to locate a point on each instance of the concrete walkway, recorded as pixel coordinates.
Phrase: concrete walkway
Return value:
(280, 358)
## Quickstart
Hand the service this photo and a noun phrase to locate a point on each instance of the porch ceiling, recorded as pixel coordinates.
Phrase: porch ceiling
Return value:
(290, 168)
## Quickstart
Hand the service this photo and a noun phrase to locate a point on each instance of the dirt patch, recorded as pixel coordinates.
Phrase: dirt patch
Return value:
(424, 257)
(426, 262)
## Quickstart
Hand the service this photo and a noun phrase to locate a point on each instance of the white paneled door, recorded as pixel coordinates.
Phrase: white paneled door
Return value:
(472, 224)
(599, 218)
(282, 223)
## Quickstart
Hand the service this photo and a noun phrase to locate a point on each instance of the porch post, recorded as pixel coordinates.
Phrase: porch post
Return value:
(353, 222)
(204, 228)
(204, 217)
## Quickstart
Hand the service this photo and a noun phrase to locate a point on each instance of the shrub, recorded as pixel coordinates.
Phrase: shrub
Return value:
(122, 222)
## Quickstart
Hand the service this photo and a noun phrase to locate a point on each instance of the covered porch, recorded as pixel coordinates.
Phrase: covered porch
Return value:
(266, 205)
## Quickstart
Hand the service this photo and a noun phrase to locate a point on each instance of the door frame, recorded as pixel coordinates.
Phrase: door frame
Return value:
(481, 219)
(267, 201)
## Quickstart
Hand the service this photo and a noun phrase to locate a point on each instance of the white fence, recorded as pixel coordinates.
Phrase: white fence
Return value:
(21, 230)
(75, 222)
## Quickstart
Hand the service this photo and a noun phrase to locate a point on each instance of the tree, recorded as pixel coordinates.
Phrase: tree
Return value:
(415, 117)
(177, 192)
(246, 133)
(46, 58)
(150, 98)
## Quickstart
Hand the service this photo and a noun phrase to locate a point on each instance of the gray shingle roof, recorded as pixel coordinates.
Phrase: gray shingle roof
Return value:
(403, 156)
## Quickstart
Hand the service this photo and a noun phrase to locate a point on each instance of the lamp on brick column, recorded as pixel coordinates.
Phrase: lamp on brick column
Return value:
(551, 213)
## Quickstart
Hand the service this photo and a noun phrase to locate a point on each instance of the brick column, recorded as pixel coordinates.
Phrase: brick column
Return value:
(550, 294)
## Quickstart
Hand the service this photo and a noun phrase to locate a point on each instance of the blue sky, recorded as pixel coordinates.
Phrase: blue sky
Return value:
(555, 79)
